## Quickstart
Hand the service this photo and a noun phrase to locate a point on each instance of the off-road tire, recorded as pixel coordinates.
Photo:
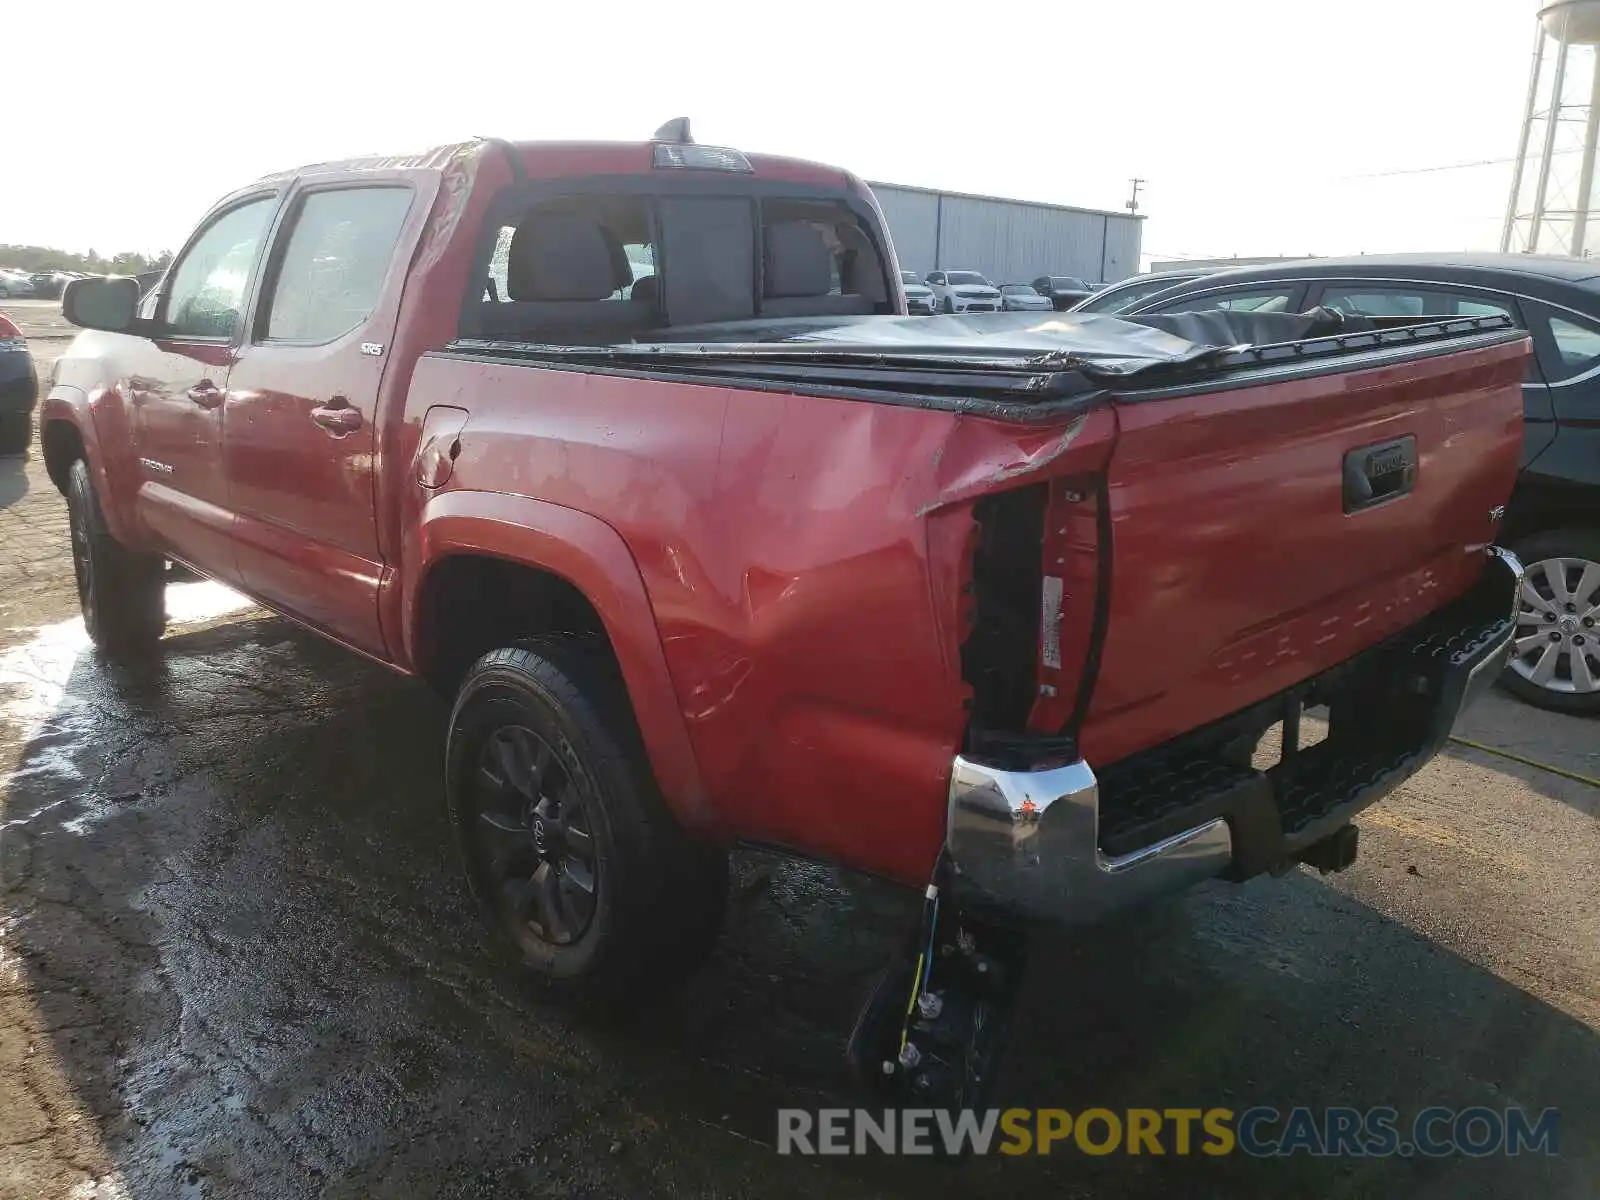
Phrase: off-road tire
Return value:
(660, 892)
(122, 592)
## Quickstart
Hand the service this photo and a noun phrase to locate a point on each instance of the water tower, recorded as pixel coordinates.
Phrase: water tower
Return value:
(1552, 203)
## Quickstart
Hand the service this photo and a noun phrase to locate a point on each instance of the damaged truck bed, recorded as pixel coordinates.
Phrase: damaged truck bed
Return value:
(1128, 538)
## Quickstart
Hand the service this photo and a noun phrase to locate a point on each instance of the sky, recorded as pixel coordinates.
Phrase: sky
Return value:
(1259, 126)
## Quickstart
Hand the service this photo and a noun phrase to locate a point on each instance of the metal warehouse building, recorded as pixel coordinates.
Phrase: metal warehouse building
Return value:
(1009, 241)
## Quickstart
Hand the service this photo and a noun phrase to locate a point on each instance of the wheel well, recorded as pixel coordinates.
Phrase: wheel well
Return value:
(63, 446)
(471, 604)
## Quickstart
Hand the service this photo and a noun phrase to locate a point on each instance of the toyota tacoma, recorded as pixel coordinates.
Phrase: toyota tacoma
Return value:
(631, 452)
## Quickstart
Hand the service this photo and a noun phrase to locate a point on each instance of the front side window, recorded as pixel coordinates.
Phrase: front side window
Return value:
(333, 268)
(1375, 303)
(205, 291)
(1122, 299)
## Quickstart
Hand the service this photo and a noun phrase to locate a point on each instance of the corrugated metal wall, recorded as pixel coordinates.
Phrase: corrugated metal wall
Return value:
(1009, 241)
(913, 219)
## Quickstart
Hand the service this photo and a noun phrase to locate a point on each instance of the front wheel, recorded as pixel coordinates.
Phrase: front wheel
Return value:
(122, 592)
(568, 846)
(1555, 663)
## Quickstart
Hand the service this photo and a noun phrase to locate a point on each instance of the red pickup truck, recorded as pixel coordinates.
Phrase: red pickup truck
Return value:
(631, 451)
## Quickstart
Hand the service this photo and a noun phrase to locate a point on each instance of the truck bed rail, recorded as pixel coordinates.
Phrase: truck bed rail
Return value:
(1015, 385)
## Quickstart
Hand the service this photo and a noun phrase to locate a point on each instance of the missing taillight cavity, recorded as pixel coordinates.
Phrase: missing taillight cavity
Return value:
(999, 658)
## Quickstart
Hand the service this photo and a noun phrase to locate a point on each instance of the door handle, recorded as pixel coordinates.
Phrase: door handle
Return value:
(338, 416)
(206, 394)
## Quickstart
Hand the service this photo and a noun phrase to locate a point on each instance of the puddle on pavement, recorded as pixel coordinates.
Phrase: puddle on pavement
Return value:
(37, 711)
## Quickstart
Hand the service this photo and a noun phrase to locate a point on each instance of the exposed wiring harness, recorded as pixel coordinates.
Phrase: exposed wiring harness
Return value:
(924, 970)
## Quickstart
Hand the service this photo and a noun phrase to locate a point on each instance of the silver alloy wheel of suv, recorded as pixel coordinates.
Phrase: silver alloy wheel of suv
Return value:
(1558, 627)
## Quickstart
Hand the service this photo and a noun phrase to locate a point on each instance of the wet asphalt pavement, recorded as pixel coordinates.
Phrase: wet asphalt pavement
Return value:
(236, 959)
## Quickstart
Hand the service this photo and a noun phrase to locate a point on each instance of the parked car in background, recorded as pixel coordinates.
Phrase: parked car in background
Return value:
(964, 291)
(19, 389)
(1133, 291)
(1063, 290)
(48, 285)
(1553, 520)
(919, 296)
(15, 283)
(1020, 297)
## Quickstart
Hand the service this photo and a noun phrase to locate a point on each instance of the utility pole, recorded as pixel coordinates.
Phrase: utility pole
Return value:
(1133, 200)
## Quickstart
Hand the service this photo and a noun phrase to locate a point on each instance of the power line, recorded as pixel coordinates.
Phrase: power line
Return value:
(1461, 166)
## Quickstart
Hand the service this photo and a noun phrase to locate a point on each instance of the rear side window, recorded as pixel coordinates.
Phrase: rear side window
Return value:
(1262, 300)
(1422, 303)
(1375, 304)
(1577, 347)
(331, 273)
(205, 291)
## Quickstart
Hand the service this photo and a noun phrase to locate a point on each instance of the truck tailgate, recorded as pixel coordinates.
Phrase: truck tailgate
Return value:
(1262, 534)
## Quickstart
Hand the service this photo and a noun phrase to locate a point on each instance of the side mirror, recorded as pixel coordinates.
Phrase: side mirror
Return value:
(110, 303)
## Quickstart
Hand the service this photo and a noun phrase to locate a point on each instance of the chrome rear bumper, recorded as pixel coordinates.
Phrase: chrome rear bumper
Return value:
(1028, 842)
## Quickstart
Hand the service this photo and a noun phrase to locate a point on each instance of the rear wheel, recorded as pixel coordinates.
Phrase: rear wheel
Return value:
(569, 848)
(1555, 662)
(122, 592)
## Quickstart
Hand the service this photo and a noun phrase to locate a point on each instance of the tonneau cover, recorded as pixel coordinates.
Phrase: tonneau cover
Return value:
(1010, 365)
(1108, 345)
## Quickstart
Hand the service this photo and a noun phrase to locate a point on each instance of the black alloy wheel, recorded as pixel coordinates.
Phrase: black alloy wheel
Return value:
(535, 838)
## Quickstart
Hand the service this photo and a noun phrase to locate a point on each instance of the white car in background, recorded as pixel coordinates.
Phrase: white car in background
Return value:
(1020, 297)
(964, 291)
(920, 300)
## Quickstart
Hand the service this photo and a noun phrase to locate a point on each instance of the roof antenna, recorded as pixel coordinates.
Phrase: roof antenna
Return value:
(675, 130)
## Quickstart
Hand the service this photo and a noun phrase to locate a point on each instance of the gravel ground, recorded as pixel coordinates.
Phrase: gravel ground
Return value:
(236, 959)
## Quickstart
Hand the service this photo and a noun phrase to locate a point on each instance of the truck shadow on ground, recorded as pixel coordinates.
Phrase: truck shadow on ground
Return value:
(13, 478)
(243, 940)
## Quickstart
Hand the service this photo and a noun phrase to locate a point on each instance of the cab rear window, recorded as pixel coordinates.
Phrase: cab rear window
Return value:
(597, 269)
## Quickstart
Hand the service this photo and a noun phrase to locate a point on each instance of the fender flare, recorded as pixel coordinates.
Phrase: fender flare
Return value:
(591, 556)
(72, 405)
